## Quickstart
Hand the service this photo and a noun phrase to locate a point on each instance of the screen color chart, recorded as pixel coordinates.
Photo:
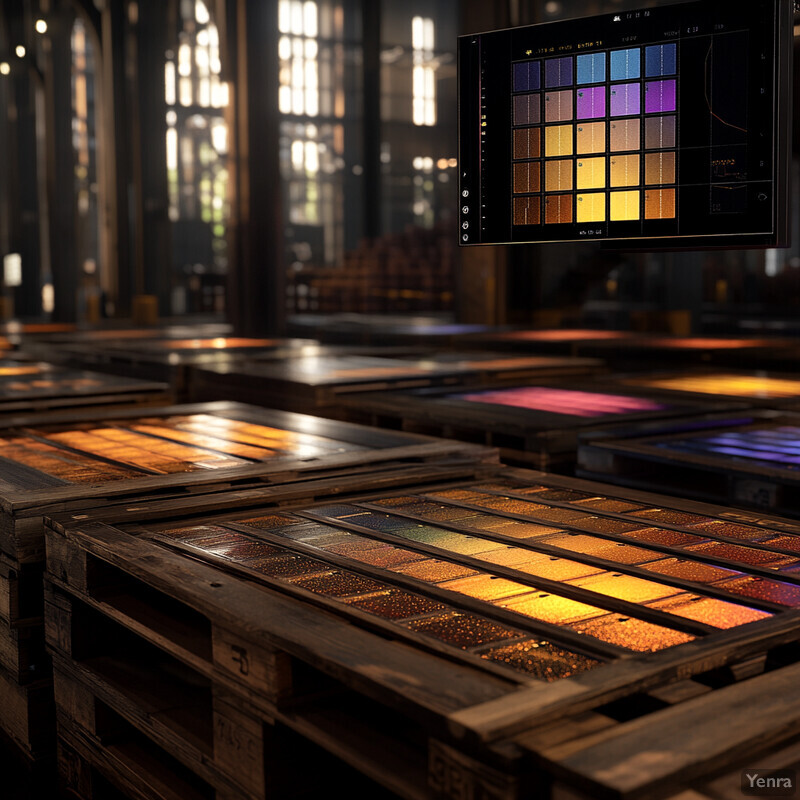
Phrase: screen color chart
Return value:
(594, 137)
(664, 124)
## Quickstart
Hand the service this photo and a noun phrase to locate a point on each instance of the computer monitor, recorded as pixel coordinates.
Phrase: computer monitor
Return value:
(668, 127)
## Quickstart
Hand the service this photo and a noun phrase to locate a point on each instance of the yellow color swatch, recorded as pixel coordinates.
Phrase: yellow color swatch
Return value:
(558, 140)
(591, 173)
(591, 207)
(558, 175)
(591, 137)
(624, 206)
(625, 170)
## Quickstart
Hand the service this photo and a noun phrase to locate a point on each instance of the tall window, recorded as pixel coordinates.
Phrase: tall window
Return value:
(424, 71)
(197, 166)
(318, 98)
(84, 145)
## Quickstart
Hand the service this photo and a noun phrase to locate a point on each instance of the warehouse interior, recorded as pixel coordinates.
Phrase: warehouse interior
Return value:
(300, 490)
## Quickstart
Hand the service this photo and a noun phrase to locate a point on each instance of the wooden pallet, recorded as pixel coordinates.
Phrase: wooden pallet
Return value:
(754, 389)
(27, 387)
(200, 628)
(677, 457)
(169, 360)
(544, 439)
(316, 384)
(52, 463)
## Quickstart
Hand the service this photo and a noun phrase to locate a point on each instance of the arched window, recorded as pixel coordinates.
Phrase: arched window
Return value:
(197, 161)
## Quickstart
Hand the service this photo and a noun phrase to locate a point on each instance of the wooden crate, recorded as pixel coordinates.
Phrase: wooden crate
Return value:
(521, 633)
(119, 457)
(319, 383)
(27, 387)
(759, 389)
(168, 359)
(541, 430)
(746, 458)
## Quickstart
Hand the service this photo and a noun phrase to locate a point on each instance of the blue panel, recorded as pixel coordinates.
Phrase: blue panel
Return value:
(592, 68)
(661, 59)
(625, 64)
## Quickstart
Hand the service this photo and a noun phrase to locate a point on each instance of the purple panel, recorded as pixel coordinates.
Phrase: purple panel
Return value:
(659, 96)
(625, 99)
(558, 72)
(591, 102)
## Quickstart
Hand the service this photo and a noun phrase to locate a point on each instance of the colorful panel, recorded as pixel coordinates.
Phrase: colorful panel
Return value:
(752, 386)
(625, 206)
(591, 102)
(659, 168)
(591, 173)
(558, 72)
(558, 106)
(626, 64)
(527, 210)
(527, 109)
(565, 401)
(526, 177)
(527, 143)
(659, 204)
(659, 96)
(592, 68)
(591, 207)
(558, 209)
(527, 76)
(625, 99)
(625, 170)
(558, 140)
(558, 176)
(625, 134)
(660, 60)
(591, 138)
(659, 133)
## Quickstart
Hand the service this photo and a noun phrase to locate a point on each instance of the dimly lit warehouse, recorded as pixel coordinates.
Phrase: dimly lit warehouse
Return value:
(400, 399)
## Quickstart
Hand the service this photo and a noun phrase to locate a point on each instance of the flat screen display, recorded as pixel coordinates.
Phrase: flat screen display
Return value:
(666, 127)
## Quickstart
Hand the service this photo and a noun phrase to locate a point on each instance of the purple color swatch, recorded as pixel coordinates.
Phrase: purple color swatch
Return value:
(659, 96)
(558, 72)
(527, 76)
(592, 102)
(625, 99)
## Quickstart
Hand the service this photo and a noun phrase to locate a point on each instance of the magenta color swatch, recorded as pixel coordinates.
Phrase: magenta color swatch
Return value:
(591, 103)
(659, 96)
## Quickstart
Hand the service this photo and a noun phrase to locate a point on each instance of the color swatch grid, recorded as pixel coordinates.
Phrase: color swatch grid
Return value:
(594, 137)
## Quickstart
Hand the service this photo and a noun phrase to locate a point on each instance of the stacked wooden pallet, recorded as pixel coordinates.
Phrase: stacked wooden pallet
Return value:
(91, 459)
(169, 359)
(519, 636)
(312, 384)
(748, 458)
(26, 387)
(536, 423)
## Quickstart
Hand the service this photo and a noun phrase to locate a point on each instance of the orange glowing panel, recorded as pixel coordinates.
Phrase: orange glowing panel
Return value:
(9, 372)
(558, 175)
(702, 343)
(558, 209)
(754, 386)
(219, 343)
(717, 613)
(625, 171)
(565, 335)
(551, 608)
(591, 138)
(625, 135)
(633, 634)
(659, 168)
(659, 204)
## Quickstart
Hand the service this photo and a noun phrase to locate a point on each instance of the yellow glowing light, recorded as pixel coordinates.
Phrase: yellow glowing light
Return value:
(20, 51)
(41, 26)
(5, 68)
(738, 385)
